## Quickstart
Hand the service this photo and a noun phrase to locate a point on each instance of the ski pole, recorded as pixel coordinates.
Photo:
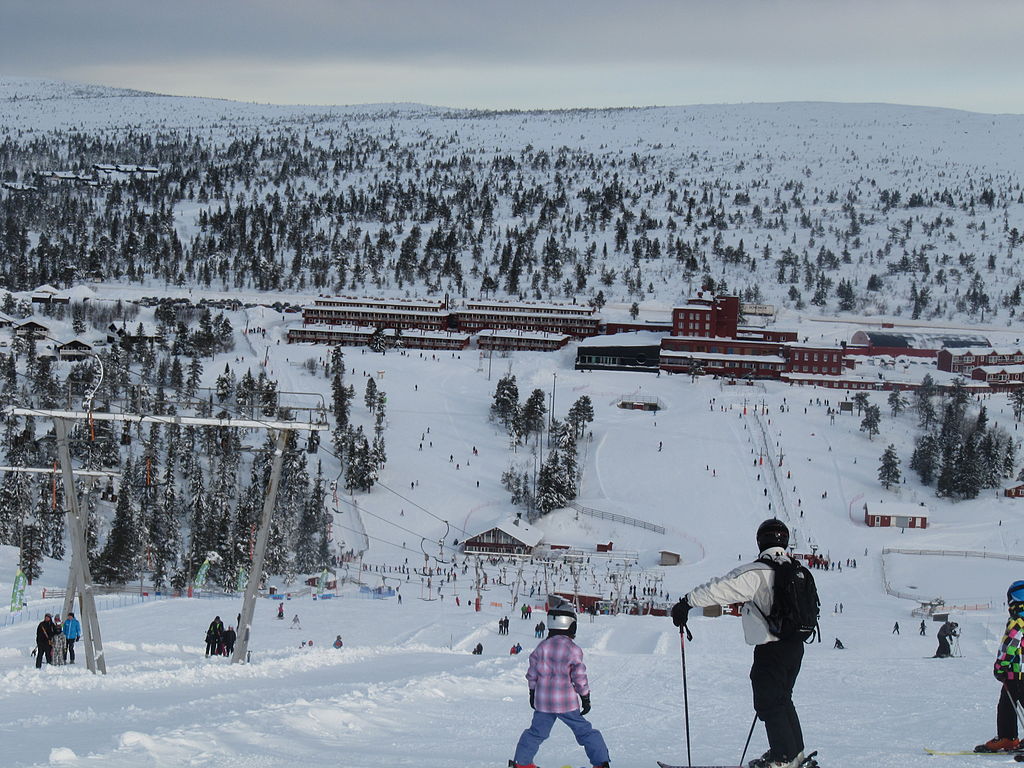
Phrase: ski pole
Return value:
(749, 735)
(1017, 708)
(684, 635)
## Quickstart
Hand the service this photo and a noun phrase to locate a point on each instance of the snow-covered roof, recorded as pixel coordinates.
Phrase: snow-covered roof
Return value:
(529, 536)
(45, 289)
(983, 351)
(514, 334)
(721, 357)
(896, 508)
(626, 339)
(1001, 368)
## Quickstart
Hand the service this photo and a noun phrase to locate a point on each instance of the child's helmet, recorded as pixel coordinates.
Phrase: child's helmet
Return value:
(561, 617)
(1015, 594)
(772, 533)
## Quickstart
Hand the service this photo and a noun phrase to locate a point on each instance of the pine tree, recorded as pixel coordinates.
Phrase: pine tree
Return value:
(506, 401)
(1017, 401)
(370, 395)
(533, 412)
(121, 557)
(580, 415)
(32, 552)
(925, 458)
(897, 402)
(889, 470)
(871, 420)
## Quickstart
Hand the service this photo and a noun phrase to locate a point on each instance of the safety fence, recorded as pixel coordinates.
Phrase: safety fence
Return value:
(953, 553)
(103, 603)
(600, 515)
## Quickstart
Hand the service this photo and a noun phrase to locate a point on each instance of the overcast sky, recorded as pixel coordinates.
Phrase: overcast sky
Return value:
(530, 53)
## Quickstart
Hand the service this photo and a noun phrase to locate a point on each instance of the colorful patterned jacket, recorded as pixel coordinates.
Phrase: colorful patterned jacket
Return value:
(557, 674)
(1008, 660)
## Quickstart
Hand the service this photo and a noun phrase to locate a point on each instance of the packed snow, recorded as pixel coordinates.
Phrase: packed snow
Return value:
(405, 690)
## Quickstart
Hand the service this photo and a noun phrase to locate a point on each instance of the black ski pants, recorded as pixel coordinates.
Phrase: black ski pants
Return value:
(71, 648)
(1006, 719)
(772, 677)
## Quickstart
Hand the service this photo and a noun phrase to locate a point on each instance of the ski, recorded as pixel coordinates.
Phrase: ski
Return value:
(1019, 756)
(809, 761)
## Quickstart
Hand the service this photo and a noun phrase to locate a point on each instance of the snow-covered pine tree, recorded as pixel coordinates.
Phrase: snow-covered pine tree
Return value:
(505, 404)
(50, 518)
(121, 557)
(580, 415)
(533, 412)
(925, 458)
(897, 402)
(871, 420)
(889, 469)
(32, 551)
(370, 395)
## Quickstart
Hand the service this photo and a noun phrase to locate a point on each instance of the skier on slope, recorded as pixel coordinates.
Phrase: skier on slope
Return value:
(1009, 671)
(556, 675)
(948, 630)
(776, 661)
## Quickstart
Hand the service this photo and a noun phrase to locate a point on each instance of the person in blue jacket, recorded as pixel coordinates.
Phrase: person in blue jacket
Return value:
(72, 631)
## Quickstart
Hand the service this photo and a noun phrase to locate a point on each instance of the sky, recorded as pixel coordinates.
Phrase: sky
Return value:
(530, 53)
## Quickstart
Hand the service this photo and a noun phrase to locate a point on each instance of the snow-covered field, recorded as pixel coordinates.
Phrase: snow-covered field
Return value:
(405, 690)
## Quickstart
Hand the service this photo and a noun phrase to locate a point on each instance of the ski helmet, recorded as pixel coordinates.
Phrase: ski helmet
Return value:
(561, 617)
(772, 533)
(1015, 594)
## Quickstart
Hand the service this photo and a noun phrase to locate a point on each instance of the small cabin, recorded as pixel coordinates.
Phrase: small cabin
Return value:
(509, 538)
(1014, 491)
(895, 515)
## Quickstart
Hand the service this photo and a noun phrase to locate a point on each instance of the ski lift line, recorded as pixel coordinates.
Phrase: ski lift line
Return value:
(422, 509)
(57, 471)
(375, 538)
(420, 536)
(133, 418)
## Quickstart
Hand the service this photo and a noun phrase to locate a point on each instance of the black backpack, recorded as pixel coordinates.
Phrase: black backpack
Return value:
(795, 603)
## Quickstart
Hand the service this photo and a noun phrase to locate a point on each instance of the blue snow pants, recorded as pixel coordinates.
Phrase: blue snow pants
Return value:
(587, 736)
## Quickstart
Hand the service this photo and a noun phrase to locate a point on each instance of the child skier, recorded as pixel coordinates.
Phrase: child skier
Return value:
(1008, 670)
(556, 675)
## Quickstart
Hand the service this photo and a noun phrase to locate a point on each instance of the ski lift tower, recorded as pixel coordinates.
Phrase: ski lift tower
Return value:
(80, 578)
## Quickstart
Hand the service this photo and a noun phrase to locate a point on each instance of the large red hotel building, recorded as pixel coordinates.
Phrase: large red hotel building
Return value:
(432, 324)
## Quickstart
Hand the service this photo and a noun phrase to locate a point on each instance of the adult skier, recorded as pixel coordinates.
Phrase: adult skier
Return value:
(213, 635)
(948, 630)
(72, 631)
(776, 661)
(1009, 671)
(556, 676)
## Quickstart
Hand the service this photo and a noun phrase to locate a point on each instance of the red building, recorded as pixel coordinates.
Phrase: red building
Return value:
(1015, 491)
(706, 315)
(828, 361)
(510, 341)
(511, 538)
(360, 335)
(999, 376)
(425, 314)
(966, 359)
(571, 319)
(895, 515)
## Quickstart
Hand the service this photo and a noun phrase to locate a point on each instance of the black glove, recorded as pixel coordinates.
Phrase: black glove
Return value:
(680, 613)
(532, 694)
(585, 701)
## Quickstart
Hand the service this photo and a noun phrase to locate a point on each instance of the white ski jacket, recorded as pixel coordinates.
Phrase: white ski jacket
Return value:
(751, 584)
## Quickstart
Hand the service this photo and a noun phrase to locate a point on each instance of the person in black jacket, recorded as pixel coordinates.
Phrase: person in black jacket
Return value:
(213, 635)
(227, 641)
(44, 641)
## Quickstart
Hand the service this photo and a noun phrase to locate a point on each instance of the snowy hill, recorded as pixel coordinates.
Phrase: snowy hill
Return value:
(266, 204)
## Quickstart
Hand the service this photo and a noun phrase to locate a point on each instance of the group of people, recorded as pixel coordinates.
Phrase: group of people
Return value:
(55, 639)
(219, 641)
